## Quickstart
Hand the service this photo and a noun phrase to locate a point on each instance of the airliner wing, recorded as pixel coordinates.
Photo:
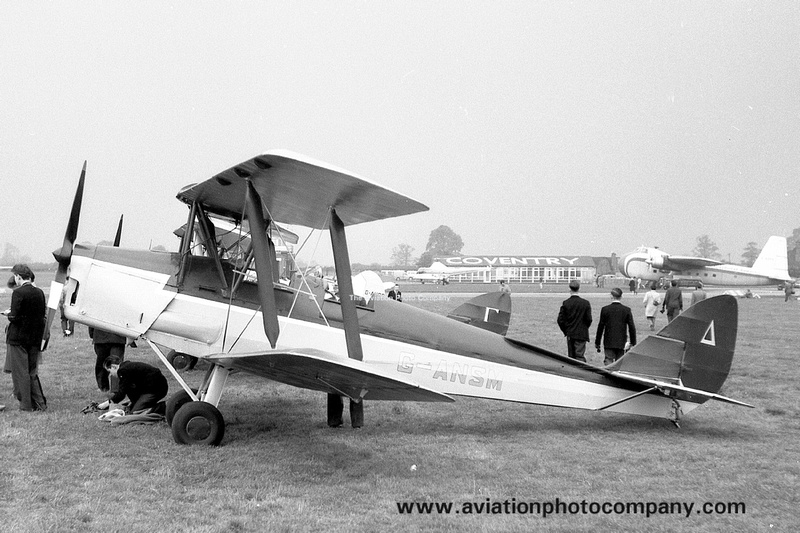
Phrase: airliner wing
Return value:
(323, 371)
(682, 262)
(298, 190)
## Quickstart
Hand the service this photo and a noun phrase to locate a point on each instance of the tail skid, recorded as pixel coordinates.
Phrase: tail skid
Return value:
(689, 359)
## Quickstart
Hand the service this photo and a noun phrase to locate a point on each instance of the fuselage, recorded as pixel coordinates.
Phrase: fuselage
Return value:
(184, 307)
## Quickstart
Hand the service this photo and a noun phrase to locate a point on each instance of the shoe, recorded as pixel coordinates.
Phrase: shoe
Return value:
(2, 408)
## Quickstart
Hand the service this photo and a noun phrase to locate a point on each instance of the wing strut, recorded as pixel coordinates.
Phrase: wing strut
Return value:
(341, 260)
(264, 254)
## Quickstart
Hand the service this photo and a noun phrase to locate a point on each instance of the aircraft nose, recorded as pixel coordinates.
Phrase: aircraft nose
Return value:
(622, 264)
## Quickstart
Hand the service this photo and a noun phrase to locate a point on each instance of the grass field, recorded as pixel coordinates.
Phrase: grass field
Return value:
(281, 469)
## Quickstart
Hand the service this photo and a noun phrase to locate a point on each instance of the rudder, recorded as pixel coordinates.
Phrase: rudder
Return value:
(490, 311)
(695, 350)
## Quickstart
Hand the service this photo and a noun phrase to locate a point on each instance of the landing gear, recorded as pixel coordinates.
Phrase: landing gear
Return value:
(675, 413)
(198, 423)
(181, 361)
(175, 402)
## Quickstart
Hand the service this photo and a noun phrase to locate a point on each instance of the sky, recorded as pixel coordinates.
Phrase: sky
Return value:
(528, 128)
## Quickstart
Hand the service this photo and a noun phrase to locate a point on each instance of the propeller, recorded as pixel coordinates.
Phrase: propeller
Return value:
(119, 232)
(63, 255)
(264, 253)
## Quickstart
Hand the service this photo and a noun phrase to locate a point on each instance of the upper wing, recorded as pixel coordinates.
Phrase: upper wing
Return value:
(326, 372)
(299, 190)
(681, 262)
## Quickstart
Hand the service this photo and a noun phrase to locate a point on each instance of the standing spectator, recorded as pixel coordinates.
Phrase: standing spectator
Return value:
(698, 294)
(673, 301)
(105, 345)
(632, 285)
(395, 294)
(616, 323)
(504, 287)
(574, 319)
(788, 290)
(24, 339)
(651, 302)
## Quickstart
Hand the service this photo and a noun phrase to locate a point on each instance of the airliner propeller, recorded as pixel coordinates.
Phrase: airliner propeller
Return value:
(63, 255)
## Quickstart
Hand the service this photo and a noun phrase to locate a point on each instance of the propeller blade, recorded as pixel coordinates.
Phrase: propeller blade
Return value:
(64, 255)
(119, 232)
(264, 256)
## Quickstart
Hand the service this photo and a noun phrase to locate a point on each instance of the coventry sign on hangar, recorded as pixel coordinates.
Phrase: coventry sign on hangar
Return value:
(524, 268)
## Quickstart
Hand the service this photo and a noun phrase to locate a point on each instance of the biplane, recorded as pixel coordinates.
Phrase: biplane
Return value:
(205, 301)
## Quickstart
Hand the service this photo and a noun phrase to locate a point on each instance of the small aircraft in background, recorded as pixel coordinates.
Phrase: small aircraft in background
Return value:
(201, 301)
(651, 264)
(440, 273)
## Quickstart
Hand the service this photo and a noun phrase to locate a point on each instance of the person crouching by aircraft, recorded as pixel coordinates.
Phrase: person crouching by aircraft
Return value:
(574, 319)
(651, 302)
(673, 301)
(26, 317)
(615, 319)
(106, 344)
(143, 384)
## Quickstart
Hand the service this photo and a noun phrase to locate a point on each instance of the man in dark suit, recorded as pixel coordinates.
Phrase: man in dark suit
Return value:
(24, 339)
(673, 301)
(574, 319)
(616, 322)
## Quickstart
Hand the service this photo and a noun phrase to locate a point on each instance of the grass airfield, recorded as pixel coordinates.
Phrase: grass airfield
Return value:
(281, 469)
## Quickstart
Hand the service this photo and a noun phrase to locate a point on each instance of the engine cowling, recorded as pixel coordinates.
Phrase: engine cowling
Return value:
(656, 261)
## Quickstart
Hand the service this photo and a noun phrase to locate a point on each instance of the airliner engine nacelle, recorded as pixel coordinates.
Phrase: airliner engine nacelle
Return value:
(656, 261)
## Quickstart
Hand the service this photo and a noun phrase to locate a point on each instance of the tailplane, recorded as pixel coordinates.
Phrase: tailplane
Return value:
(773, 260)
(490, 311)
(691, 356)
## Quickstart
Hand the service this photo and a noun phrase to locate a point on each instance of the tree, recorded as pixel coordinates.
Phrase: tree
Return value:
(401, 255)
(425, 260)
(750, 254)
(10, 255)
(444, 241)
(706, 248)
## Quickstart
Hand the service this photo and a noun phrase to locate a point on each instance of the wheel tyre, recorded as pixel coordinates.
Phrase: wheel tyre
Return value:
(198, 423)
(181, 361)
(175, 402)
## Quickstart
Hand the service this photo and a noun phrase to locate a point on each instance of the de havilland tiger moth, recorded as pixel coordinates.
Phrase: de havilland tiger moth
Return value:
(204, 302)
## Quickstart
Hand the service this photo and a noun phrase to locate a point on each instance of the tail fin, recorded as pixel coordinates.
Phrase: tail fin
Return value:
(691, 355)
(773, 260)
(490, 311)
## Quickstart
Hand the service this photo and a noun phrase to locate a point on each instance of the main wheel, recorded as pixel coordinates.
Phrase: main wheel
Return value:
(175, 402)
(198, 423)
(181, 361)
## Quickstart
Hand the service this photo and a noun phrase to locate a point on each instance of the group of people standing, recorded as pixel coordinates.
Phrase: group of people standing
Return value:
(615, 326)
(616, 329)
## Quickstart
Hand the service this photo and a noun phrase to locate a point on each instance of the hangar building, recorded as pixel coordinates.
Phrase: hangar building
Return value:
(528, 268)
